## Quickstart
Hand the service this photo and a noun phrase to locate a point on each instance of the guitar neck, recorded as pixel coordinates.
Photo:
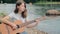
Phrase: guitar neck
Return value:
(33, 21)
(27, 23)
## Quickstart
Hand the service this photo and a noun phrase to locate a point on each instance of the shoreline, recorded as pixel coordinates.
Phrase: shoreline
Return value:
(47, 2)
(34, 31)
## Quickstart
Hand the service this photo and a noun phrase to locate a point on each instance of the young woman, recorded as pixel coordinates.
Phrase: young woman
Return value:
(20, 13)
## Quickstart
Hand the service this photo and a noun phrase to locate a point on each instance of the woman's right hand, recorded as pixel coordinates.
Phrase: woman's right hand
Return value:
(6, 21)
(14, 26)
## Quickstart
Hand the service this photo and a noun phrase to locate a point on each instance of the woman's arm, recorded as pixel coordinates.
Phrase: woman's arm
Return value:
(6, 21)
(36, 22)
(33, 24)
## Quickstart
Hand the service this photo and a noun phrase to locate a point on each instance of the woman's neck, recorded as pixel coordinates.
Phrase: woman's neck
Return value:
(19, 12)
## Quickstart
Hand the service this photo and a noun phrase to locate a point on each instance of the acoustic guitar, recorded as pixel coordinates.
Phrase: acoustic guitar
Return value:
(6, 29)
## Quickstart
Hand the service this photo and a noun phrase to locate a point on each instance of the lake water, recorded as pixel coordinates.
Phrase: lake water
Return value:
(51, 25)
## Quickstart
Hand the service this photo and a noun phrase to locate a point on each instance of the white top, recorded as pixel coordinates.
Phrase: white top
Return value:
(16, 17)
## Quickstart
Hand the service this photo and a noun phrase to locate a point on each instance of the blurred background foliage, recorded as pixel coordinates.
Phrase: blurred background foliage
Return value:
(27, 1)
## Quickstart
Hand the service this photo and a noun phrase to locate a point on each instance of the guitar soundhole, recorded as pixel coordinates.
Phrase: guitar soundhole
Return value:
(0, 22)
(17, 33)
(18, 26)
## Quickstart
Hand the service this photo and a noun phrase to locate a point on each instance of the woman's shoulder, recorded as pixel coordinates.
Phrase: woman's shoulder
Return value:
(11, 14)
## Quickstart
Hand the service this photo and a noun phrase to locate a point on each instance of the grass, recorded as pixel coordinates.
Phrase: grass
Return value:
(2, 14)
(47, 2)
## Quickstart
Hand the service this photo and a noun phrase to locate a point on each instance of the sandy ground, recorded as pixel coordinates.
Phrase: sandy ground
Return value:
(34, 31)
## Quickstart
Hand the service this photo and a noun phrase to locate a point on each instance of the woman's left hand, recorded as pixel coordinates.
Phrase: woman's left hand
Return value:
(40, 19)
(37, 20)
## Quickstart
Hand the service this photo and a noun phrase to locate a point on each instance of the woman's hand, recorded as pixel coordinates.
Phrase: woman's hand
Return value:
(37, 20)
(14, 27)
(41, 19)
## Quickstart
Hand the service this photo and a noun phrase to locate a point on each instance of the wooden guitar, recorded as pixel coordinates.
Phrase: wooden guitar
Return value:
(6, 29)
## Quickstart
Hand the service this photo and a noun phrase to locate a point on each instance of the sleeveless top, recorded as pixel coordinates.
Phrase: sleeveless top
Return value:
(14, 17)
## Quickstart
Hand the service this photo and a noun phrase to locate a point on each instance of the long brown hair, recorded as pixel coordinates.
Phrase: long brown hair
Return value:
(24, 13)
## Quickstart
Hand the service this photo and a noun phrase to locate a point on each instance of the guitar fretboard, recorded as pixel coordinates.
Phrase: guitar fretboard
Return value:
(27, 23)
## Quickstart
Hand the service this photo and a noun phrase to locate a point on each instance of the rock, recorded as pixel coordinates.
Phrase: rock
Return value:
(53, 11)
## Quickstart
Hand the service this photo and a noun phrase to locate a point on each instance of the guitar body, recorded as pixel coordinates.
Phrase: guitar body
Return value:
(3, 29)
(6, 29)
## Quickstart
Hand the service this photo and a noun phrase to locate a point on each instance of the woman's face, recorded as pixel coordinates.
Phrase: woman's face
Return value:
(21, 7)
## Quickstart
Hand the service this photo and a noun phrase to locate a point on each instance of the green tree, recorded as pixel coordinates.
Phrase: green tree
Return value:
(33, 1)
(8, 1)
